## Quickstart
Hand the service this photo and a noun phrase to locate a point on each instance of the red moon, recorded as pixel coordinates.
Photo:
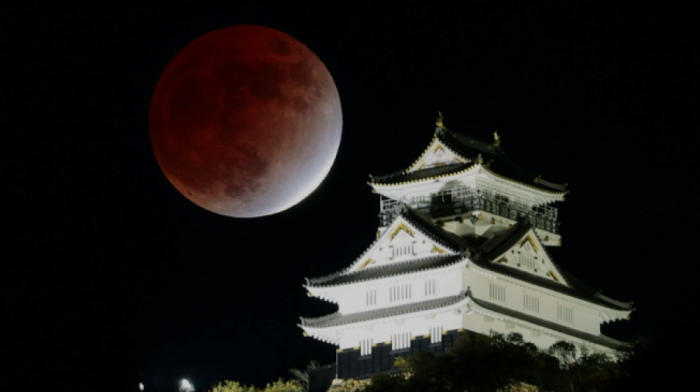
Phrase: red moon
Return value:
(245, 121)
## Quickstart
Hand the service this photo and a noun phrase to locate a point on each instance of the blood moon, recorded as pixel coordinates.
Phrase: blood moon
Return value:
(245, 121)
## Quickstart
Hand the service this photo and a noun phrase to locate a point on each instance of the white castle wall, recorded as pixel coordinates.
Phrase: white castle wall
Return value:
(394, 291)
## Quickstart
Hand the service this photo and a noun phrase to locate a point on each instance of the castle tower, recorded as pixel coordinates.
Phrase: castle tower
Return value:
(461, 246)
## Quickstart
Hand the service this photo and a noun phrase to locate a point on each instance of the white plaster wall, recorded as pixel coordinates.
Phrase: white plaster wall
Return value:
(585, 318)
(416, 325)
(353, 299)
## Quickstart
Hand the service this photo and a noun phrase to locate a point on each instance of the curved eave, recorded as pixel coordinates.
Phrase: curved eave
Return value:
(622, 304)
(379, 186)
(376, 185)
(547, 191)
(327, 322)
(453, 265)
(610, 309)
(550, 328)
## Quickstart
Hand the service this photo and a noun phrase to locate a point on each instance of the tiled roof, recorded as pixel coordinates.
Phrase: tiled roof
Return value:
(598, 339)
(482, 254)
(388, 270)
(492, 156)
(336, 319)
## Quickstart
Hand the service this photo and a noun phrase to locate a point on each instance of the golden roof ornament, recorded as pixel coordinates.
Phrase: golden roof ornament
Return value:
(479, 159)
(439, 121)
(496, 138)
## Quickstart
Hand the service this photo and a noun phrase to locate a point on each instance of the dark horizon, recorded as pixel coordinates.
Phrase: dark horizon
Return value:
(114, 274)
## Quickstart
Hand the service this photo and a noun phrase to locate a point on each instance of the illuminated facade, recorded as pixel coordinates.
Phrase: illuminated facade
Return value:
(461, 246)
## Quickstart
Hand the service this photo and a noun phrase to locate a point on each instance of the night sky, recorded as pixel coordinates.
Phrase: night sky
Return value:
(115, 278)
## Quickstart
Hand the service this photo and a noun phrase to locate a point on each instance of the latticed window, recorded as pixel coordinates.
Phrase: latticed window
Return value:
(400, 292)
(531, 303)
(497, 292)
(430, 287)
(400, 341)
(565, 313)
(371, 297)
(366, 347)
(402, 250)
(436, 334)
(527, 261)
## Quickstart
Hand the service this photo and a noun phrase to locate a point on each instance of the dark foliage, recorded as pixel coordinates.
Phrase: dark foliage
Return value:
(490, 363)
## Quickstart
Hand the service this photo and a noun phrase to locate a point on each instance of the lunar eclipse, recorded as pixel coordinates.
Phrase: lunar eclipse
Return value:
(245, 121)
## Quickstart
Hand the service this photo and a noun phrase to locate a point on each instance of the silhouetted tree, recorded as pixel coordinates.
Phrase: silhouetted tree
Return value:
(479, 363)
(303, 375)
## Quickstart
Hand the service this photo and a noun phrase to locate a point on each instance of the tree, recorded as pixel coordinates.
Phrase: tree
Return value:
(303, 375)
(479, 363)
(277, 386)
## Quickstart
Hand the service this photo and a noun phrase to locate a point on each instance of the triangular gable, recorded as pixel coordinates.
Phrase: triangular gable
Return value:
(400, 242)
(528, 254)
(437, 154)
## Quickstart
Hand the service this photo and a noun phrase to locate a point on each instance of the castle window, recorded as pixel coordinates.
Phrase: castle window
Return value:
(436, 334)
(527, 261)
(565, 314)
(402, 250)
(401, 341)
(371, 297)
(531, 303)
(400, 292)
(365, 347)
(497, 292)
(430, 287)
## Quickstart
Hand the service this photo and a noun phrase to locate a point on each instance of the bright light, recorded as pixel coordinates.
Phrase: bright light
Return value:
(140, 386)
(185, 386)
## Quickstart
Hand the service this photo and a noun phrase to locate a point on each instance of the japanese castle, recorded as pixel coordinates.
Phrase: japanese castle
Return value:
(461, 248)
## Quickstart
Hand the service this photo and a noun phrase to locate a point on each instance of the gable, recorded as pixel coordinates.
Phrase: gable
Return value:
(400, 242)
(437, 154)
(529, 255)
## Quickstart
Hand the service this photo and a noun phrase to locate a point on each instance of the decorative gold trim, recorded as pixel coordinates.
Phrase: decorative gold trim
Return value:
(401, 226)
(551, 273)
(366, 263)
(389, 342)
(340, 350)
(356, 348)
(427, 335)
(308, 294)
(306, 335)
(437, 249)
(531, 241)
(374, 345)
(502, 260)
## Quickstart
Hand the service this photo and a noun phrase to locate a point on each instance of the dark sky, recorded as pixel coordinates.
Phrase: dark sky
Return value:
(115, 277)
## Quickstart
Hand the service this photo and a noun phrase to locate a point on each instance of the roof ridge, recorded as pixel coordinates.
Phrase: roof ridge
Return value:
(457, 258)
(389, 311)
(532, 319)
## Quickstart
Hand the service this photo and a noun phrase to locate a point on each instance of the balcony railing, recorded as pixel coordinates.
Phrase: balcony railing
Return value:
(463, 200)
